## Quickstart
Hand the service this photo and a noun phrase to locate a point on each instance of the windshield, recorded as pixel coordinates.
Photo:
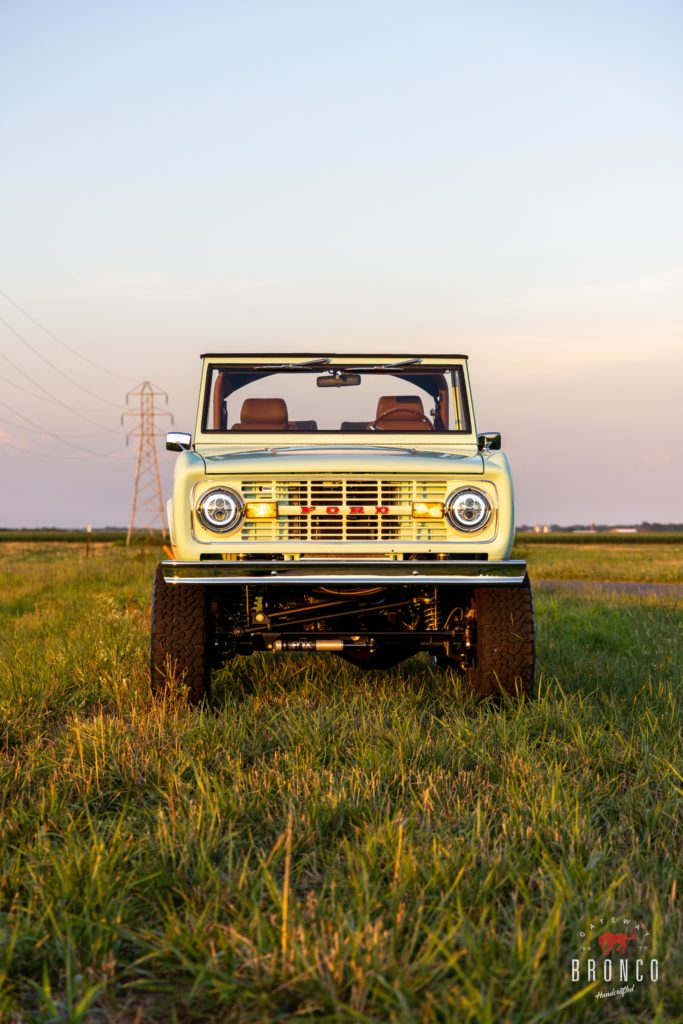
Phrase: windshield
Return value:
(261, 400)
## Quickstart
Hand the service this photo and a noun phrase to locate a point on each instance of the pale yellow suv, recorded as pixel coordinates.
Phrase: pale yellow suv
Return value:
(341, 503)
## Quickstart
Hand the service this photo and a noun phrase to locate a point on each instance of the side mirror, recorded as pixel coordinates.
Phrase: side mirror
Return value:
(489, 442)
(177, 442)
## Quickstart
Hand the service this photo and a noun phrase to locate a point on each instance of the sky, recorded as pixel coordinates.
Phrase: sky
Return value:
(496, 179)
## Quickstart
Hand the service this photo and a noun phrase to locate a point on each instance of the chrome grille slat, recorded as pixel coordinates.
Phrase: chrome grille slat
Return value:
(346, 492)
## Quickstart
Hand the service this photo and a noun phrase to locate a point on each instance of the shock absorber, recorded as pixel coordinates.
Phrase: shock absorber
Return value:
(432, 617)
(318, 644)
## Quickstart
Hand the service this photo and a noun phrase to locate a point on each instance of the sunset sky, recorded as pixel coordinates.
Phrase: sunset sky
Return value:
(497, 179)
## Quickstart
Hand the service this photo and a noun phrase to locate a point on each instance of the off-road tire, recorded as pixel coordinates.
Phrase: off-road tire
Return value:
(179, 649)
(504, 656)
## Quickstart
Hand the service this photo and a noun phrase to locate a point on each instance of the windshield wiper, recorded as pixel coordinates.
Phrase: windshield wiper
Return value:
(382, 366)
(401, 362)
(293, 366)
(326, 362)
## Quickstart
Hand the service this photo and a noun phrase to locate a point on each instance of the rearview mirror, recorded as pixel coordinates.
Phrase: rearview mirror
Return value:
(339, 380)
(177, 442)
(489, 442)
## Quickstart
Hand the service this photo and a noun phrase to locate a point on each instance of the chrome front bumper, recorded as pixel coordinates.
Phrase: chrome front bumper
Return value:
(309, 571)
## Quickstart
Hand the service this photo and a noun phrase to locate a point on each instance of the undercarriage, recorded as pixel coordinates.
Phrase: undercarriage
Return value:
(371, 626)
(474, 617)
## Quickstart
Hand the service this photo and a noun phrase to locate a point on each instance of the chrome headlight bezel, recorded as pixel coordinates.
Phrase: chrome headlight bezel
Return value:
(476, 495)
(235, 506)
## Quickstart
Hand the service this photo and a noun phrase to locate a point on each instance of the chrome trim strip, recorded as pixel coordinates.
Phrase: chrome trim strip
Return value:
(322, 571)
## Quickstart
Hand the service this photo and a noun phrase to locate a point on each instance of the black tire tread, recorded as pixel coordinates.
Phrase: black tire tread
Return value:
(179, 638)
(506, 649)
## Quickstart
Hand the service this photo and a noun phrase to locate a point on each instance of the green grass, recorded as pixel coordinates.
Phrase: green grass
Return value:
(644, 563)
(62, 536)
(601, 537)
(144, 538)
(320, 842)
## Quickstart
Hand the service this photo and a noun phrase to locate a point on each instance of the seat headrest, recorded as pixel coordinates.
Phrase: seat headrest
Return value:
(263, 414)
(273, 410)
(400, 403)
(401, 412)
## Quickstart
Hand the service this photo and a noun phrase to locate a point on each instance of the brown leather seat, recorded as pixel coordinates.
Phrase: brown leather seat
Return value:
(401, 412)
(303, 425)
(354, 425)
(263, 414)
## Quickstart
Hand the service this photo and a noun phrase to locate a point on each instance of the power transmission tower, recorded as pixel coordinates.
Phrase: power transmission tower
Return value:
(147, 508)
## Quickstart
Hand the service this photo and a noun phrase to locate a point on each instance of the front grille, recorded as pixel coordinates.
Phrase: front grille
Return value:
(395, 496)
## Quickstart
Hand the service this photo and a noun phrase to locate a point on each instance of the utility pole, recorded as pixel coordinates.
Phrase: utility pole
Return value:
(147, 508)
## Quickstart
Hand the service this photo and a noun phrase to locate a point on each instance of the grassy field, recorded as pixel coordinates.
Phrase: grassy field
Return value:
(602, 538)
(652, 563)
(67, 536)
(320, 843)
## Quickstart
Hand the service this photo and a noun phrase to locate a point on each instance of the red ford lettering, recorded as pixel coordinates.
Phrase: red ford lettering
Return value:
(352, 510)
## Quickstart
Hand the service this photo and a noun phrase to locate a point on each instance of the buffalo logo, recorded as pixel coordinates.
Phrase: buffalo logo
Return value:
(612, 962)
(614, 940)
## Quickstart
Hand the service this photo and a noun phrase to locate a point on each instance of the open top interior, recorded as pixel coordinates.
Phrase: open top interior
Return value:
(403, 397)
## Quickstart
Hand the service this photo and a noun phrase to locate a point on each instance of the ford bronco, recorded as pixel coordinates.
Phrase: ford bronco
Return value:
(345, 504)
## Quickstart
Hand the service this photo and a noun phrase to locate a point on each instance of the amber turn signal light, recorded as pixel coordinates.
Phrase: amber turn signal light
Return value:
(427, 510)
(261, 509)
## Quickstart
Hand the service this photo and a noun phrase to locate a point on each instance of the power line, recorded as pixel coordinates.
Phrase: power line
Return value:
(60, 341)
(57, 401)
(54, 367)
(36, 430)
(49, 433)
(46, 397)
(52, 455)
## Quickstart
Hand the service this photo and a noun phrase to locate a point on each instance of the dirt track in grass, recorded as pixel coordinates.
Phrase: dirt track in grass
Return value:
(666, 590)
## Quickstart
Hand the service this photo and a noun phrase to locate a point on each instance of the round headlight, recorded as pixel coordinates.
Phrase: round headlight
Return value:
(220, 510)
(468, 509)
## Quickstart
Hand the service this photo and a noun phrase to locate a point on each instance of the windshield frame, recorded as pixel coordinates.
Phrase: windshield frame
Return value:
(454, 369)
